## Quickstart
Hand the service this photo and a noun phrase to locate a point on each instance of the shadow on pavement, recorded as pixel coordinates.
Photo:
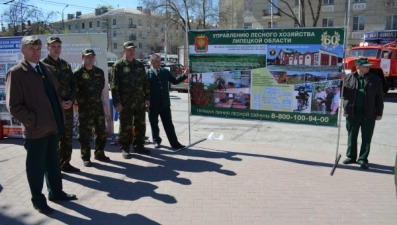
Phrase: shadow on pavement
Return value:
(374, 168)
(98, 217)
(13, 141)
(120, 189)
(390, 97)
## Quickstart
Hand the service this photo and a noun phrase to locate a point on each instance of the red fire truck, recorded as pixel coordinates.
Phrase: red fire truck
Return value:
(383, 59)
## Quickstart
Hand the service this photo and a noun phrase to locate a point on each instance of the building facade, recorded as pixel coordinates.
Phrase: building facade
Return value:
(145, 29)
(365, 15)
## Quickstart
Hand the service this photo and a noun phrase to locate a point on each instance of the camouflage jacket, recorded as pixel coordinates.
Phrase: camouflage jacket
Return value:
(90, 84)
(64, 75)
(129, 83)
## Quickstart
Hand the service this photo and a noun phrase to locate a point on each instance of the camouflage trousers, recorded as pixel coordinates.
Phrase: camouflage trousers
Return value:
(91, 116)
(132, 115)
(65, 141)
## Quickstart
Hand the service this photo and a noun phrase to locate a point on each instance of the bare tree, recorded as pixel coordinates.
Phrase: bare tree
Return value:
(313, 6)
(25, 19)
(201, 14)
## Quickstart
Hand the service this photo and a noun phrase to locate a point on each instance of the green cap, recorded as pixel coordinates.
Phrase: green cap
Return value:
(362, 62)
(88, 51)
(51, 39)
(129, 44)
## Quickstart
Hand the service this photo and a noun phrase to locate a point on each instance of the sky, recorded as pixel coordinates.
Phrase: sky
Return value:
(85, 6)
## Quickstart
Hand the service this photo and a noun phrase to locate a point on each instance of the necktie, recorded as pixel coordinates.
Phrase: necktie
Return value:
(39, 71)
(158, 72)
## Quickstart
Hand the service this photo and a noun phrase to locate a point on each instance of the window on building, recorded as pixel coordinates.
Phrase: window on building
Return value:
(140, 34)
(140, 45)
(156, 34)
(115, 45)
(90, 24)
(114, 21)
(76, 26)
(391, 22)
(149, 24)
(114, 34)
(269, 24)
(69, 27)
(358, 23)
(82, 26)
(247, 25)
(139, 23)
(359, 0)
(269, 6)
(296, 2)
(156, 24)
(176, 26)
(98, 23)
(130, 21)
(328, 22)
(328, 2)
(147, 46)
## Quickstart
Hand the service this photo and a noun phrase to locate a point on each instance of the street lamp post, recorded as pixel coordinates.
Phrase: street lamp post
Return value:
(63, 23)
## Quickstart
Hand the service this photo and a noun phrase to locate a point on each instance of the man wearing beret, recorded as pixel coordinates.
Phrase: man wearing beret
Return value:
(90, 81)
(32, 98)
(67, 92)
(131, 94)
(363, 105)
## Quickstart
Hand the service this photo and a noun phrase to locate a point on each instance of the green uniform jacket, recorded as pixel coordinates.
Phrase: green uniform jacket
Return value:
(64, 75)
(90, 84)
(159, 93)
(129, 83)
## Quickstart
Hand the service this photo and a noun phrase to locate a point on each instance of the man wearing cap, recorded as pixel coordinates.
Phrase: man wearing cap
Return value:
(32, 99)
(67, 92)
(90, 81)
(362, 104)
(131, 94)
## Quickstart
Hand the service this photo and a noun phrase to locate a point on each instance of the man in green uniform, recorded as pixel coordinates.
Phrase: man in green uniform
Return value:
(32, 99)
(160, 104)
(67, 92)
(363, 105)
(90, 81)
(131, 95)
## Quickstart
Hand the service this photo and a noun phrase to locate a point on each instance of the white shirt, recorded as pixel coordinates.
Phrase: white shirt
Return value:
(34, 65)
(320, 95)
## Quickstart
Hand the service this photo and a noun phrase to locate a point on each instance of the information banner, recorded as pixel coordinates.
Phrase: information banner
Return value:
(288, 75)
(72, 46)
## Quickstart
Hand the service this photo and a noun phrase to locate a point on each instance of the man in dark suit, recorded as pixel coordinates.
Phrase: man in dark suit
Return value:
(160, 101)
(32, 99)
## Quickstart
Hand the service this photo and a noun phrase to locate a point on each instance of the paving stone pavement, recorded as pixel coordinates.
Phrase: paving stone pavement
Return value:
(260, 173)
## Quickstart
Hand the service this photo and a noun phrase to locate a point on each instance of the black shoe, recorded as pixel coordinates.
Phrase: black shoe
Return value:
(102, 158)
(65, 197)
(87, 163)
(348, 161)
(157, 145)
(142, 151)
(364, 166)
(126, 155)
(44, 210)
(70, 169)
(178, 146)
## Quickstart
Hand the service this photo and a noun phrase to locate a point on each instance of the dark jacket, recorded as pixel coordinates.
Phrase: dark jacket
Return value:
(159, 92)
(28, 102)
(373, 95)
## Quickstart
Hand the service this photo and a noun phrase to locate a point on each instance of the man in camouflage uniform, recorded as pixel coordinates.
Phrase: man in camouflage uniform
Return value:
(67, 92)
(131, 93)
(90, 82)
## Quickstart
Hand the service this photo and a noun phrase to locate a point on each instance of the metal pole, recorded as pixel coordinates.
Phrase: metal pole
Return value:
(347, 25)
(165, 33)
(63, 23)
(188, 62)
(271, 14)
